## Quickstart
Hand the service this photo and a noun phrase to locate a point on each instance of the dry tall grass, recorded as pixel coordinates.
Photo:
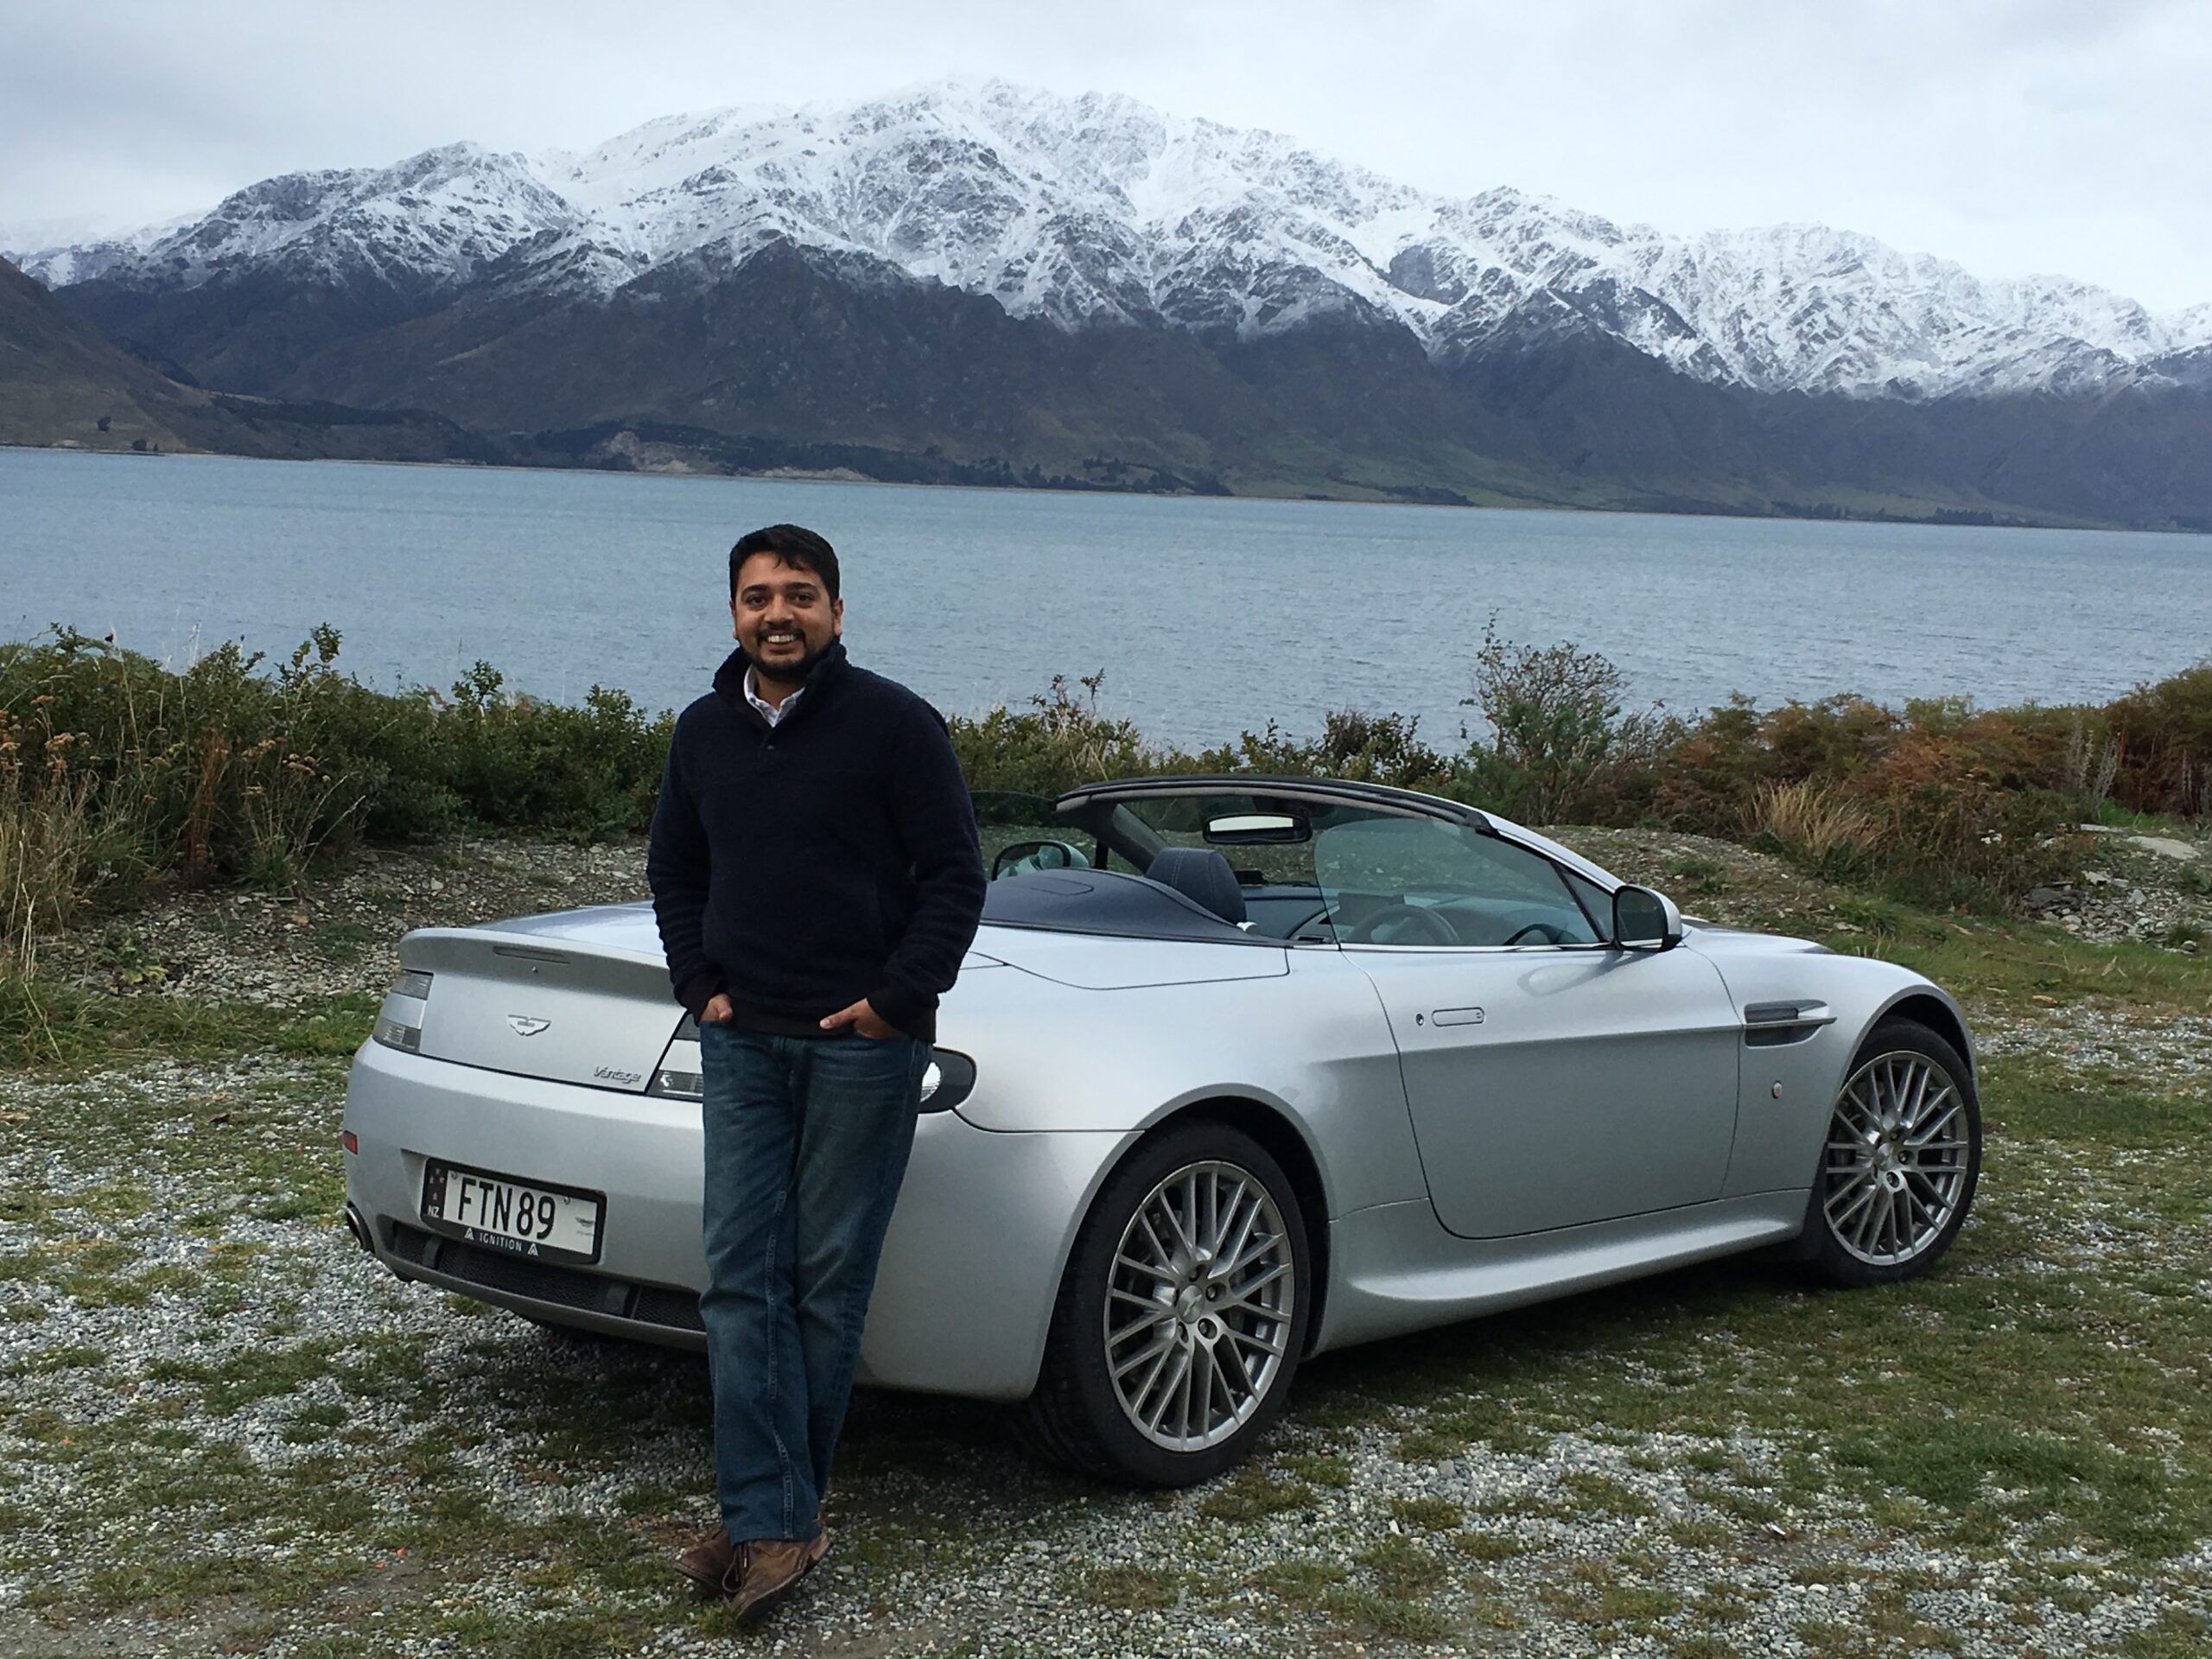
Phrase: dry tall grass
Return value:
(54, 837)
(2090, 768)
(1817, 821)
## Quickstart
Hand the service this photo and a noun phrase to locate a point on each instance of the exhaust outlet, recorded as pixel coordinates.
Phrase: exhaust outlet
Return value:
(357, 1225)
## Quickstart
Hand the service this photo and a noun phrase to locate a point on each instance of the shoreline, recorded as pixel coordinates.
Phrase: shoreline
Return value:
(841, 476)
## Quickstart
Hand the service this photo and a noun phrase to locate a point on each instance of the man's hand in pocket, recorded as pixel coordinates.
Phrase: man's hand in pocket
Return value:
(863, 1019)
(718, 1009)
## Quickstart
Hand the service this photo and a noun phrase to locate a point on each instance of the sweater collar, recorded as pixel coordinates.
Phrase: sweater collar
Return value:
(729, 681)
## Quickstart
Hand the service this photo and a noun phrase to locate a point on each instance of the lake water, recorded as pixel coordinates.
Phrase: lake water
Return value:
(1207, 616)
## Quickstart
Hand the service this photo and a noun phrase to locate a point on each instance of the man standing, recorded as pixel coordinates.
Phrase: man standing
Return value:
(816, 877)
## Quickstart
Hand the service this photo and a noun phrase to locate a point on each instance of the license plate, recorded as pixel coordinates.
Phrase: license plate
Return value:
(508, 1212)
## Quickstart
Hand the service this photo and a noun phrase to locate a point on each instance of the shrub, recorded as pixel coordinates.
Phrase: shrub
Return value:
(223, 773)
(1716, 773)
(2164, 732)
(517, 762)
(218, 774)
(45, 838)
(1562, 745)
(1380, 748)
(1058, 742)
(62, 838)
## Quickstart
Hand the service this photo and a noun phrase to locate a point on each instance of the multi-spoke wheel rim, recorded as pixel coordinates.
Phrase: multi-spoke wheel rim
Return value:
(1199, 1308)
(1898, 1153)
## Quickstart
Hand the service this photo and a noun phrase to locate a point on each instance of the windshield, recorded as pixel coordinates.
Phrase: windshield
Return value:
(1406, 880)
(1258, 866)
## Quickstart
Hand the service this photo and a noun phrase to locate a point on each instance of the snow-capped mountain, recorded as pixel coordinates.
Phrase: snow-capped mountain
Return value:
(435, 220)
(1098, 211)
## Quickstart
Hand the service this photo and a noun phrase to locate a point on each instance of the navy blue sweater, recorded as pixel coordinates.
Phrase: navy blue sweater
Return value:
(801, 866)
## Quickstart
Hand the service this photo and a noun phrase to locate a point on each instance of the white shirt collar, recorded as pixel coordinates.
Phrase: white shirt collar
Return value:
(769, 711)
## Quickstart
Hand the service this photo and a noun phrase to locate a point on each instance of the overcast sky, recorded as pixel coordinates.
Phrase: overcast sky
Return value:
(2014, 135)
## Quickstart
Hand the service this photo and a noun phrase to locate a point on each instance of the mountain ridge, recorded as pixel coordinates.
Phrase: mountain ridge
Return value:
(1099, 211)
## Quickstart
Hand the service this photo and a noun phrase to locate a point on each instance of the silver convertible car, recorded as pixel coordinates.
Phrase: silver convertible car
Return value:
(1239, 1069)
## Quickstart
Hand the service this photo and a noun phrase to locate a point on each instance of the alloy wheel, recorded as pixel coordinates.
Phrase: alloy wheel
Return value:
(1898, 1159)
(1199, 1307)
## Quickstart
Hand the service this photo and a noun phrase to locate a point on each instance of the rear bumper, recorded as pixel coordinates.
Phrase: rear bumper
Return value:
(971, 1265)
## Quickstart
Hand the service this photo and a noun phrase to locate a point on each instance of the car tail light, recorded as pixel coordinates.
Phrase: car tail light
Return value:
(679, 1075)
(949, 1080)
(399, 1024)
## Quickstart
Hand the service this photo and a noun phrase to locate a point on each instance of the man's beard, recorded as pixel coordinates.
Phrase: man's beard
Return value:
(793, 673)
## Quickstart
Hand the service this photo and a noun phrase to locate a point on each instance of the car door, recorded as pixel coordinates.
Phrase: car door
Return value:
(1553, 1079)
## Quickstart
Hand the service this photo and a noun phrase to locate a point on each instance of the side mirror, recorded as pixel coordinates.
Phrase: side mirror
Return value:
(1644, 920)
(1023, 857)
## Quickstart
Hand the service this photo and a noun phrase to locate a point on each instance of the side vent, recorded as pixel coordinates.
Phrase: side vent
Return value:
(1775, 1025)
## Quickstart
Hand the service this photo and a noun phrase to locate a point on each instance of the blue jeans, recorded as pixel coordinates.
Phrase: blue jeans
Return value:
(806, 1143)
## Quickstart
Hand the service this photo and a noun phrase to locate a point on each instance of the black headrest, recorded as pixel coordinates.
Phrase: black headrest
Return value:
(1199, 874)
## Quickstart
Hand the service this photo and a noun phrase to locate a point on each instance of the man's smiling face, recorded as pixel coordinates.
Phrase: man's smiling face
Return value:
(784, 618)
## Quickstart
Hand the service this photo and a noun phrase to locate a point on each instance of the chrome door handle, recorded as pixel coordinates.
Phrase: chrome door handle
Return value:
(1456, 1017)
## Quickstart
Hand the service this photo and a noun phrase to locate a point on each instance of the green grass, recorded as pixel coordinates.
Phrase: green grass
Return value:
(1428, 1514)
(2013, 966)
(1380, 1614)
(1133, 1588)
(1302, 1580)
(1706, 876)
(55, 1026)
(1248, 1494)
(1403, 1568)
(345, 941)
(1480, 1546)
(2112, 813)
(1317, 1469)
(1592, 1597)
(1590, 1493)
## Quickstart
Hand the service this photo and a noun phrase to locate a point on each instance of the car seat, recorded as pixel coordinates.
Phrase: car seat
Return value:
(1200, 874)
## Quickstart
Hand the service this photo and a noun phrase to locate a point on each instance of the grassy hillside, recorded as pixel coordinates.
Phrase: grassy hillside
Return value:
(62, 384)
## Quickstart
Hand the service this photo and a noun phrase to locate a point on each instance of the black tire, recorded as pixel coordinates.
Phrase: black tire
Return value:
(1076, 1417)
(1847, 1183)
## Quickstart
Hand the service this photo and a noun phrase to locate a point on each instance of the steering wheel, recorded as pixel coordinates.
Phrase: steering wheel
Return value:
(1551, 935)
(1394, 927)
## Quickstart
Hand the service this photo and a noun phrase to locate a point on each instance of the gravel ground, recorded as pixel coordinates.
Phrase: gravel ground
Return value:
(340, 934)
(2110, 1042)
(223, 1429)
(2156, 889)
(950, 1541)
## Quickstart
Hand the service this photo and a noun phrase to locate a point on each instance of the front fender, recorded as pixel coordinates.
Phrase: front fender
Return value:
(1788, 1092)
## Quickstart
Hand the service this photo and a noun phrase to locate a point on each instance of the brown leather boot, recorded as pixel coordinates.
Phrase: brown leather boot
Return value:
(707, 1562)
(767, 1570)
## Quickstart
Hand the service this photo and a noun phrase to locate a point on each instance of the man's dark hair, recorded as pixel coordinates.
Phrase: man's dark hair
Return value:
(793, 544)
